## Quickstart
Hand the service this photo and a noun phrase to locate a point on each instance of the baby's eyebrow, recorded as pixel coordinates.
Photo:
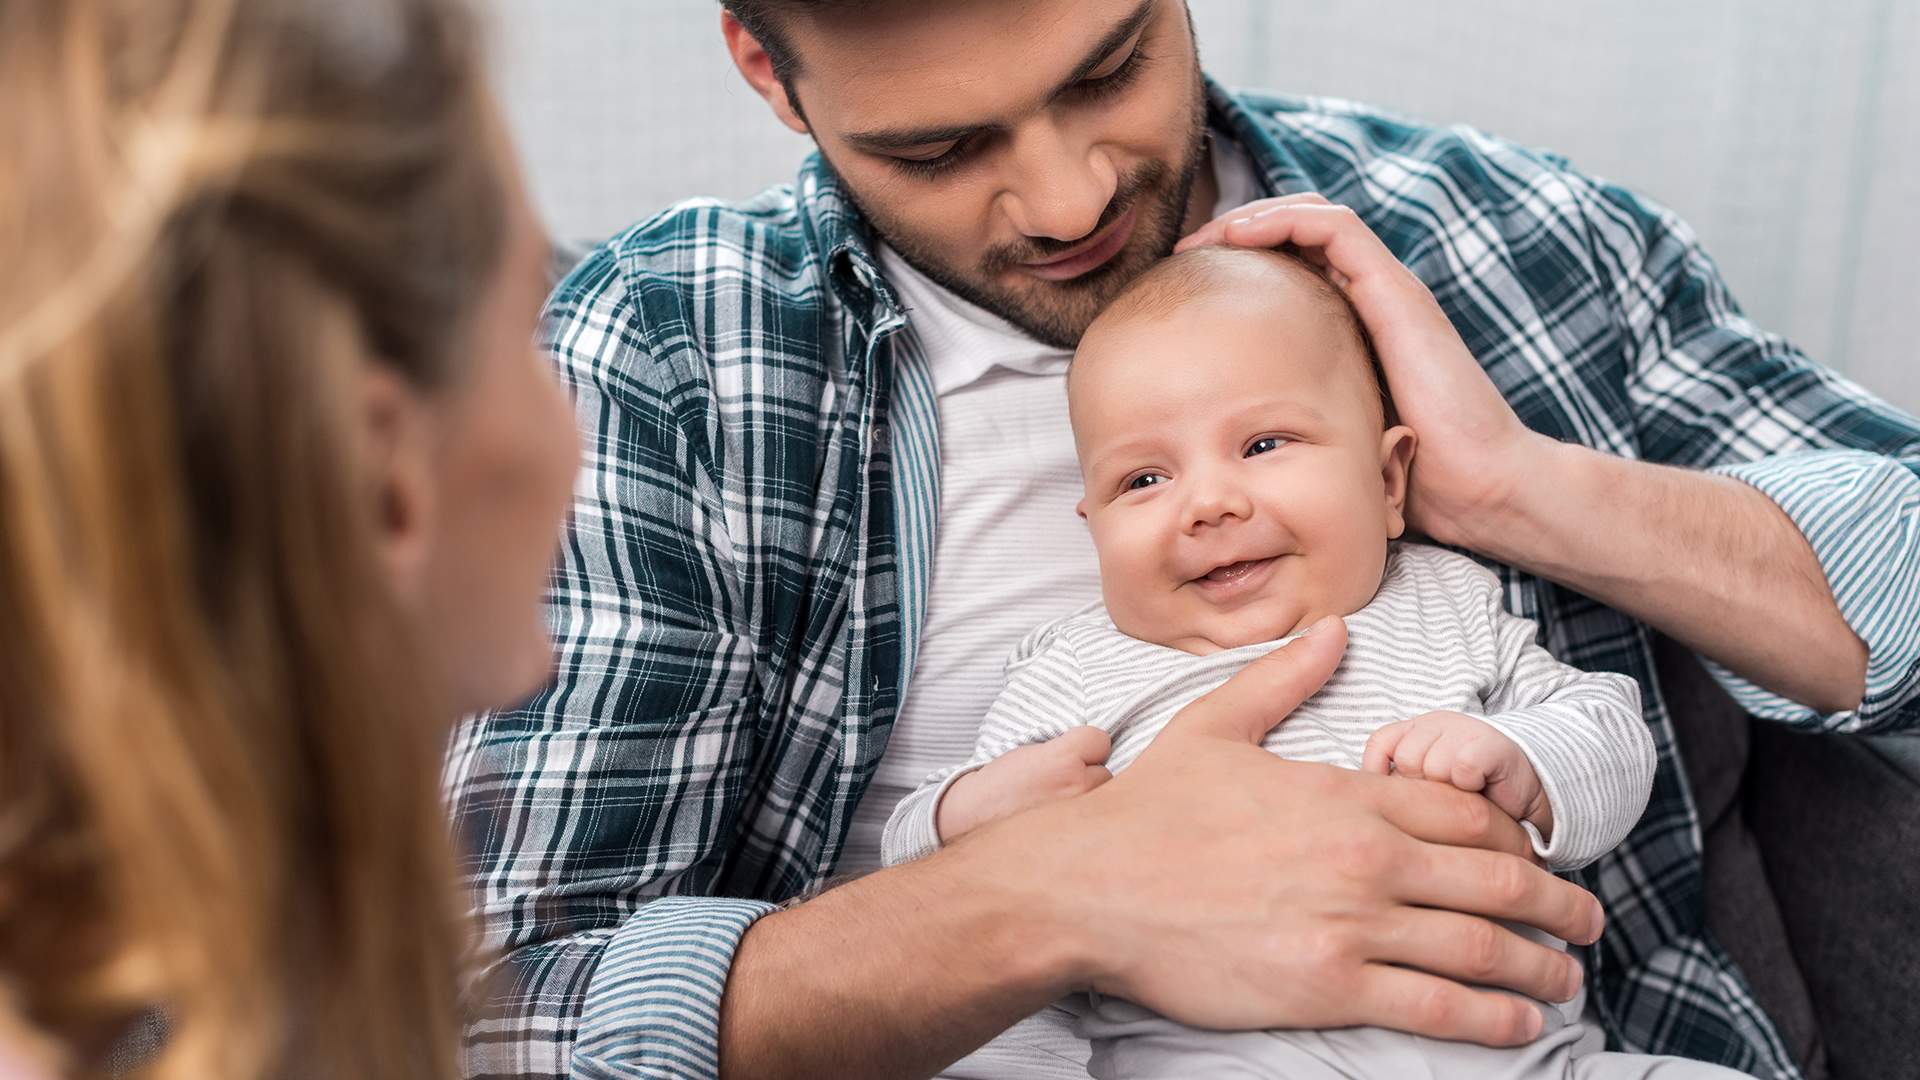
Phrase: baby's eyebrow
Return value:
(1139, 446)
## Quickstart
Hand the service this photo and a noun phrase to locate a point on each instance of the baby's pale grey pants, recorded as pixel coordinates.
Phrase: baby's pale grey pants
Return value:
(1132, 1043)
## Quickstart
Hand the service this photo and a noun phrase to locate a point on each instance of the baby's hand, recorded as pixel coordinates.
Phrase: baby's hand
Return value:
(1470, 754)
(1063, 766)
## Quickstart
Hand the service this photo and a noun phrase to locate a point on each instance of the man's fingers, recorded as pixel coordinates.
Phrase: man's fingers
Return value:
(1499, 886)
(1336, 231)
(1438, 814)
(1475, 950)
(1250, 704)
(1439, 1008)
(1214, 232)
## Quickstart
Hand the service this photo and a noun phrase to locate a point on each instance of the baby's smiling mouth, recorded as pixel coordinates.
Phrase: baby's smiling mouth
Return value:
(1231, 577)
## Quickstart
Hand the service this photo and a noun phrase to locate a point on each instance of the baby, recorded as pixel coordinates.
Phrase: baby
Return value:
(1245, 477)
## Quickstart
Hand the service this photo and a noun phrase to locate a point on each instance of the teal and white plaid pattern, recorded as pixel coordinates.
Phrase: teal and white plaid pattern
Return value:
(753, 527)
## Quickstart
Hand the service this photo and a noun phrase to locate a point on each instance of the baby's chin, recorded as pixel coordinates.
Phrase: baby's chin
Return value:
(1229, 630)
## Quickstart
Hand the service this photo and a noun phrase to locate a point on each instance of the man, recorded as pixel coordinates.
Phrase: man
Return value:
(766, 640)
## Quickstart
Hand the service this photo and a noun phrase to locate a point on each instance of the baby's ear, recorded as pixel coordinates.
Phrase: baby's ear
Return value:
(1396, 462)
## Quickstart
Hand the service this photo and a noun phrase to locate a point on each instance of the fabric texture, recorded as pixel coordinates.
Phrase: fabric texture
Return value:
(728, 607)
(1132, 1043)
(1434, 636)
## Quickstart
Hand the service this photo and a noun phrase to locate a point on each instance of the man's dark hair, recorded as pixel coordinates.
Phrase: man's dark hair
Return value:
(762, 19)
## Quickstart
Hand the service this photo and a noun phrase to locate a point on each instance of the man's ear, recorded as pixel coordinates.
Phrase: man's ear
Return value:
(397, 449)
(1396, 463)
(757, 68)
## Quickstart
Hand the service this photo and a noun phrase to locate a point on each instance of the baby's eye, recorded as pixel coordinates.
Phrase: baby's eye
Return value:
(1145, 480)
(1264, 445)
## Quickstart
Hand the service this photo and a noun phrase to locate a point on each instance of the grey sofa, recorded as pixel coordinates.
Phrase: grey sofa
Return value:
(1812, 874)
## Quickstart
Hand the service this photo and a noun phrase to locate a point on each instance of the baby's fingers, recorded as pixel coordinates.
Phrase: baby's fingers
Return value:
(1377, 757)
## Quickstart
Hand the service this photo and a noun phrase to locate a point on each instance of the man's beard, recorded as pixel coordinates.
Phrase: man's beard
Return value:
(1058, 312)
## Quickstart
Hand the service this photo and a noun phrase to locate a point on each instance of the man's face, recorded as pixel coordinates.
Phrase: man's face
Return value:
(1032, 156)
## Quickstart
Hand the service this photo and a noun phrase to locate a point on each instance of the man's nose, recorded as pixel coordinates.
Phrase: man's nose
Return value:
(1215, 501)
(1060, 183)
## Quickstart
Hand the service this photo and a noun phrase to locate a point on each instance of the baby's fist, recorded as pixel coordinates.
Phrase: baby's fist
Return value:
(1468, 753)
(1066, 765)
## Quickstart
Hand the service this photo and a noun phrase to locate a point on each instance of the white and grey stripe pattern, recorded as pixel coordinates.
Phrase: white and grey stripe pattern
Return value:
(1435, 636)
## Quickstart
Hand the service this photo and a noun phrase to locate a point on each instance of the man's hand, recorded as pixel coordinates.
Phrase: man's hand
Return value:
(1229, 888)
(1702, 558)
(1473, 449)
(1064, 766)
(1468, 753)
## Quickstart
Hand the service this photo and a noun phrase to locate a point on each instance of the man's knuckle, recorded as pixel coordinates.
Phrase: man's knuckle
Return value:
(1435, 1008)
(1510, 882)
(1476, 816)
(1483, 950)
(1327, 953)
(1363, 857)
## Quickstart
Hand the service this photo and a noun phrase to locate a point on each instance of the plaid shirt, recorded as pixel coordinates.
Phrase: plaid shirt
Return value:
(741, 586)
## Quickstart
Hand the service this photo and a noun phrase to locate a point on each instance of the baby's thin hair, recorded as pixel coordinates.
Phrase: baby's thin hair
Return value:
(1183, 278)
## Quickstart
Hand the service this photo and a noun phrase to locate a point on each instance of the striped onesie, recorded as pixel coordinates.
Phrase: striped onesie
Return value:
(1435, 636)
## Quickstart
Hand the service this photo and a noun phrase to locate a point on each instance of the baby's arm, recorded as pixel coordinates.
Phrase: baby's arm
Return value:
(1033, 748)
(1584, 742)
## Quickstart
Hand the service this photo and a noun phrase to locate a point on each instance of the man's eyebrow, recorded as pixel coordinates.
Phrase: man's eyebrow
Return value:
(887, 139)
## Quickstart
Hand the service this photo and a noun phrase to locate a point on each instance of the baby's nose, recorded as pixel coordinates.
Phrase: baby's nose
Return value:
(1217, 503)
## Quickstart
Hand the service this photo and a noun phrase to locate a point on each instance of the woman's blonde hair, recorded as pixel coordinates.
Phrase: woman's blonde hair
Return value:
(217, 771)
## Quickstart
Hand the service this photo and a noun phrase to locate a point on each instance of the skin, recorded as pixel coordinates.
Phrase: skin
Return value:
(980, 138)
(475, 477)
(1372, 905)
(1701, 558)
(1261, 451)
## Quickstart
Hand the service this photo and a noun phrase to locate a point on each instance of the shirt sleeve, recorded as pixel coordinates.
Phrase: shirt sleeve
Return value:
(1042, 699)
(1583, 733)
(579, 808)
(1860, 514)
(1710, 390)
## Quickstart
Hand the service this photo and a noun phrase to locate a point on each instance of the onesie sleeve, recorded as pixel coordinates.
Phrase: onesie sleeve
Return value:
(1044, 697)
(1582, 731)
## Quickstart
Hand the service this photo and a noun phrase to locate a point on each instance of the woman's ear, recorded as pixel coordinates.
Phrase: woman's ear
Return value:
(757, 68)
(1396, 465)
(397, 448)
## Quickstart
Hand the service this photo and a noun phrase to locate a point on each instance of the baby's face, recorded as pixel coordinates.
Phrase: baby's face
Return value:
(1238, 483)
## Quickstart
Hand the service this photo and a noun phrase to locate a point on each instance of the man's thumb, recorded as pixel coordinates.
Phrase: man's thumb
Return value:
(1253, 702)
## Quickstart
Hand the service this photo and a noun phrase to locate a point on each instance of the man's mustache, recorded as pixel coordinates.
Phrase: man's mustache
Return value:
(1148, 176)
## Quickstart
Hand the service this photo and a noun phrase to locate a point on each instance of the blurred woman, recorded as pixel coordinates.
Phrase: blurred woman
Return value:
(281, 475)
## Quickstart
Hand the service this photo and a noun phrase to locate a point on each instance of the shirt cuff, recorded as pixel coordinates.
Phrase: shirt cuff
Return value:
(1860, 513)
(653, 1004)
(1597, 787)
(913, 830)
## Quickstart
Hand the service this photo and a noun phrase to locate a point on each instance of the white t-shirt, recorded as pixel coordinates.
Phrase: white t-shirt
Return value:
(1009, 555)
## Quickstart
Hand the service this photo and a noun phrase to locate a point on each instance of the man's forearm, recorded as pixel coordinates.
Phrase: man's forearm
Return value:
(895, 974)
(1705, 559)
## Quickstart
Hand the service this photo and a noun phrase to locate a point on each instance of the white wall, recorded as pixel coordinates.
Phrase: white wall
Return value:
(1785, 131)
